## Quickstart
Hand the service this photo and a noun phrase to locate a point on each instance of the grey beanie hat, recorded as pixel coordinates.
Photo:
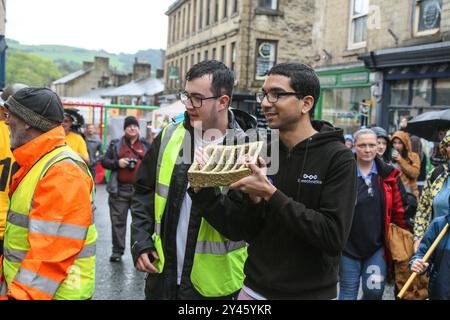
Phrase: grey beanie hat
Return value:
(40, 108)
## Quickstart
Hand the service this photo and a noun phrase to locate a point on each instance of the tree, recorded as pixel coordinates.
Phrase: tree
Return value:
(30, 69)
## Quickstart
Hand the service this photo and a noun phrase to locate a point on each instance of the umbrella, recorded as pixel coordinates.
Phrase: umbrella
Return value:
(426, 125)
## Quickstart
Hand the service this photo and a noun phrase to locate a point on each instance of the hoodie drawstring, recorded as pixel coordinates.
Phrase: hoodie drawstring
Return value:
(302, 171)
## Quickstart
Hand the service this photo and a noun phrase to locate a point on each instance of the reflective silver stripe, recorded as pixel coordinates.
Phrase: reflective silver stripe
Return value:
(18, 256)
(209, 247)
(14, 255)
(58, 229)
(162, 190)
(158, 228)
(62, 153)
(37, 281)
(87, 252)
(17, 219)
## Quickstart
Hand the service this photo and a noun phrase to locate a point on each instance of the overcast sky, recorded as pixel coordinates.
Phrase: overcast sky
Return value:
(113, 25)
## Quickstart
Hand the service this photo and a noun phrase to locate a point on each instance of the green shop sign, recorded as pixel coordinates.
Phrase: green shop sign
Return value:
(344, 79)
(355, 78)
(328, 80)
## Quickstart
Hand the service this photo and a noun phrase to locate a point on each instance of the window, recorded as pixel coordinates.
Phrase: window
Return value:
(418, 93)
(183, 22)
(181, 67)
(216, 10)
(198, 57)
(340, 107)
(235, 6)
(427, 18)
(421, 90)
(265, 58)
(174, 27)
(268, 4)
(194, 16)
(188, 25)
(208, 12)
(399, 93)
(225, 8)
(233, 55)
(200, 15)
(214, 55)
(192, 60)
(178, 25)
(358, 24)
(442, 88)
(206, 55)
(223, 54)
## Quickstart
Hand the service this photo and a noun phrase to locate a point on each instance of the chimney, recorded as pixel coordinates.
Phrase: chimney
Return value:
(87, 65)
(101, 63)
(141, 70)
(159, 73)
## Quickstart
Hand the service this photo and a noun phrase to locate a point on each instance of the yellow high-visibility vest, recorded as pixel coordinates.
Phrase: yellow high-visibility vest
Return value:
(217, 269)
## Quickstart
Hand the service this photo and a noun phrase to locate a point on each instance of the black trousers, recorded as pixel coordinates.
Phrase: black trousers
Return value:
(118, 208)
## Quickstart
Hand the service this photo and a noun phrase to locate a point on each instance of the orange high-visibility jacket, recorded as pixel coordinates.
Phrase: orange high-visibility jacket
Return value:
(62, 197)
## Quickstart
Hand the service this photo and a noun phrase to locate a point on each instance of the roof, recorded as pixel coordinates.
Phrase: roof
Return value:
(137, 88)
(71, 76)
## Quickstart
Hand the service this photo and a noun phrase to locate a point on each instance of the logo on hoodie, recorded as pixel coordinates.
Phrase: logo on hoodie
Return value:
(310, 179)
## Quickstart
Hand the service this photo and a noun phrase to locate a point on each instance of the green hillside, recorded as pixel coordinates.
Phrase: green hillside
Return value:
(30, 69)
(70, 59)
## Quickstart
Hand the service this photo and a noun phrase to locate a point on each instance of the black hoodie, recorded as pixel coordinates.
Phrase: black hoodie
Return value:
(296, 238)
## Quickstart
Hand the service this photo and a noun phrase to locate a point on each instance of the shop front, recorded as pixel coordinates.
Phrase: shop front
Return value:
(414, 80)
(345, 99)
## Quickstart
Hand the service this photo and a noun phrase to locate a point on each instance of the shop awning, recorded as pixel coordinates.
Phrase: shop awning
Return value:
(406, 56)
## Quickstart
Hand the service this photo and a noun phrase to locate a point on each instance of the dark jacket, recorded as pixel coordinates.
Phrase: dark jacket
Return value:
(94, 146)
(164, 285)
(111, 162)
(393, 198)
(296, 238)
(439, 270)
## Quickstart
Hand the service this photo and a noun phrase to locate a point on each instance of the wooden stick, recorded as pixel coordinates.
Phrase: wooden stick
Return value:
(425, 259)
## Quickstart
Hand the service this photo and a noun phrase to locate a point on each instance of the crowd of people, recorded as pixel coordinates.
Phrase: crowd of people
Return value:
(319, 227)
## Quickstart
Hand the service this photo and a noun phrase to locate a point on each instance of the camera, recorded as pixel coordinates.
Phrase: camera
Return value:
(132, 164)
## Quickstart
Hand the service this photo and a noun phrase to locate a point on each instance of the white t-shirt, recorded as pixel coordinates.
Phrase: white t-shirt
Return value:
(185, 214)
(252, 293)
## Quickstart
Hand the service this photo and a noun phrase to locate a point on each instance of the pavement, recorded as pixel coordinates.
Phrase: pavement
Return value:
(114, 280)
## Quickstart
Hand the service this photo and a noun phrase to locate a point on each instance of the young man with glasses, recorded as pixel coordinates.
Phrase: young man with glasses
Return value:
(184, 256)
(379, 203)
(304, 213)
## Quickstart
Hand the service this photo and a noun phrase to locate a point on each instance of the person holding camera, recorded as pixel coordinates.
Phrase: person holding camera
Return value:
(123, 158)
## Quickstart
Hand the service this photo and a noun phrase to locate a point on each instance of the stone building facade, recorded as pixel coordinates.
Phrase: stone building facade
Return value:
(393, 55)
(249, 36)
(377, 60)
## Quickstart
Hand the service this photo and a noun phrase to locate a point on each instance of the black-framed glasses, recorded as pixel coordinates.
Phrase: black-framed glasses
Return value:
(273, 97)
(196, 102)
(368, 182)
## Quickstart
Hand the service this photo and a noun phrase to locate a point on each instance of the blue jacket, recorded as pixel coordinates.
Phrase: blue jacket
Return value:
(439, 270)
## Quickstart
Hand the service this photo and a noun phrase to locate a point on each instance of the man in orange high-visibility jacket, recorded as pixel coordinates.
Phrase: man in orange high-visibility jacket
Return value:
(49, 241)
(7, 164)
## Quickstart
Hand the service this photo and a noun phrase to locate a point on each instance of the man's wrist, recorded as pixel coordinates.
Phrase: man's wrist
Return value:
(270, 190)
